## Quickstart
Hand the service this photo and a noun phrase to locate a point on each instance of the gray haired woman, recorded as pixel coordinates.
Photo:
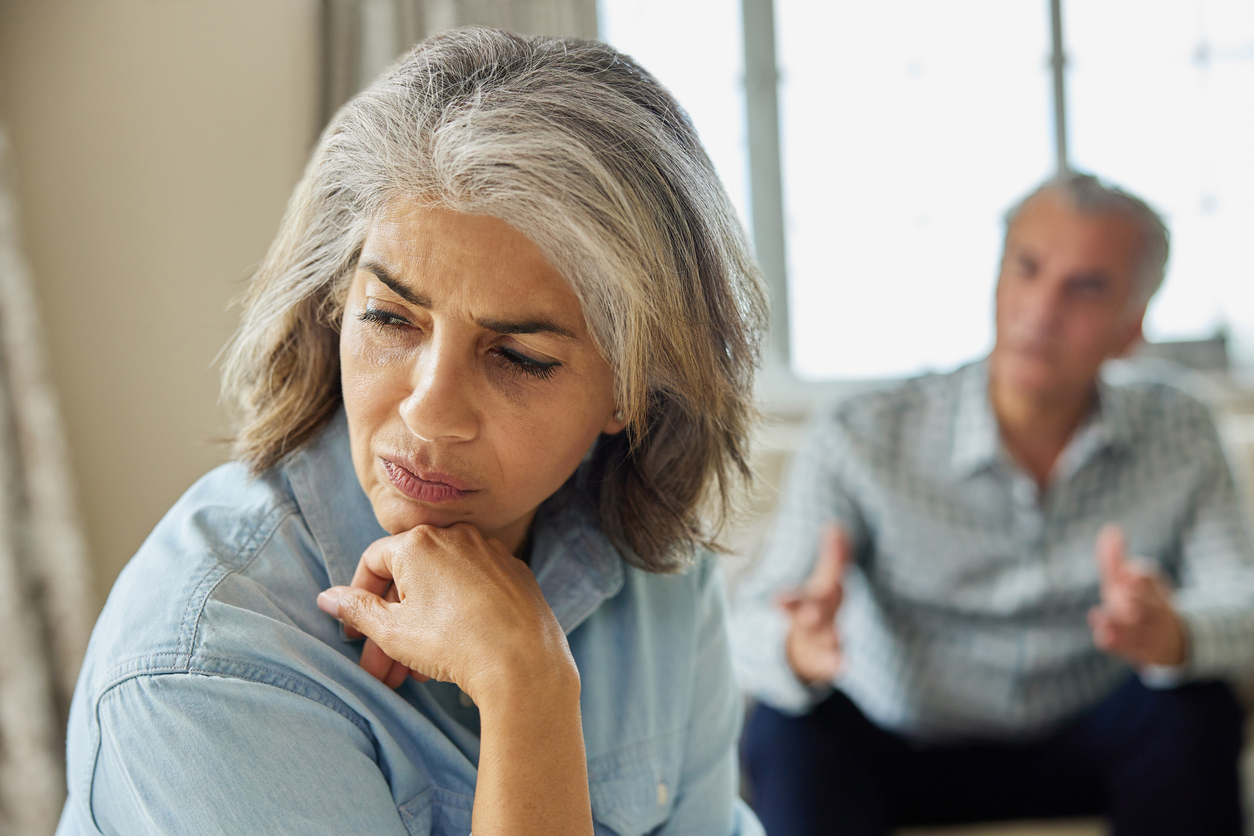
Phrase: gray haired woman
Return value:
(494, 388)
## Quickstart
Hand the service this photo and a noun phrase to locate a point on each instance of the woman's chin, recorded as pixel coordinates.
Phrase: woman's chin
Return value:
(397, 514)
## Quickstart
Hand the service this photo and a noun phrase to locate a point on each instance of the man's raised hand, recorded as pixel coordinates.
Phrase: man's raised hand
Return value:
(1136, 619)
(813, 645)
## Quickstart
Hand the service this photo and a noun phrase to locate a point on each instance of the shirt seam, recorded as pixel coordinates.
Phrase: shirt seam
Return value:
(277, 679)
(254, 541)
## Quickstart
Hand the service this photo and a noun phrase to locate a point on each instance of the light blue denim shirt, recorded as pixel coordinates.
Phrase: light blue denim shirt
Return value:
(217, 698)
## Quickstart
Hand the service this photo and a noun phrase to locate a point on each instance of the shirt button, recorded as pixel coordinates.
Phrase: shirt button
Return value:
(464, 699)
(662, 793)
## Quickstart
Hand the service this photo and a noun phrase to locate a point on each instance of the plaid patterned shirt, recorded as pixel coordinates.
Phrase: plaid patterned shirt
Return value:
(965, 611)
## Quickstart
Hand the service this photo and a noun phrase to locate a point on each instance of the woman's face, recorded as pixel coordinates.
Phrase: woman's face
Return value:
(472, 386)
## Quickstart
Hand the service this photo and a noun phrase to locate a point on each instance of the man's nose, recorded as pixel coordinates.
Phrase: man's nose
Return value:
(441, 405)
(1043, 309)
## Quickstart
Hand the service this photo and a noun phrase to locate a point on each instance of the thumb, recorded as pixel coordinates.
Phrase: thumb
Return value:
(1112, 555)
(824, 582)
(354, 608)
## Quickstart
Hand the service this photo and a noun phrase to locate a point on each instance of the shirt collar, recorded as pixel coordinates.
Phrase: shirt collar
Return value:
(335, 507)
(1113, 423)
(977, 438)
(1106, 428)
(575, 565)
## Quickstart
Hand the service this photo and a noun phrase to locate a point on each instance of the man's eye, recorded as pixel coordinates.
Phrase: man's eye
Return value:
(1090, 289)
(518, 362)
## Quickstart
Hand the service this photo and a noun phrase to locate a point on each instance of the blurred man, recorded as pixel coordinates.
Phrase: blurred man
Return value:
(1014, 590)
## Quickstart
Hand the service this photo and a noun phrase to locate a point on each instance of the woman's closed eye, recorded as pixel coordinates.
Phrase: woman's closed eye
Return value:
(382, 319)
(516, 361)
(511, 359)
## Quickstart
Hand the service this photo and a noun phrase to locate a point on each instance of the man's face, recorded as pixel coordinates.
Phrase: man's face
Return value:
(1066, 299)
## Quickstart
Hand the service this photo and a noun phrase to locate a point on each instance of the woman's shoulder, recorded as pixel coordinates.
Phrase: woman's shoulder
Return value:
(230, 563)
(223, 518)
(690, 591)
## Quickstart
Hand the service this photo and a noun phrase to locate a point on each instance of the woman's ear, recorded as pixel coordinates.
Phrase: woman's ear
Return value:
(616, 423)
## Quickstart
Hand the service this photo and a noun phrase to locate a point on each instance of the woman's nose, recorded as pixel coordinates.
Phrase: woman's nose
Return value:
(440, 406)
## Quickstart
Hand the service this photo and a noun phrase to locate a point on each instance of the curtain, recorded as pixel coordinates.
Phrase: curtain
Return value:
(361, 38)
(46, 604)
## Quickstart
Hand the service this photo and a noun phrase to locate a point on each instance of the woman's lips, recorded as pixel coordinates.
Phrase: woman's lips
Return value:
(429, 487)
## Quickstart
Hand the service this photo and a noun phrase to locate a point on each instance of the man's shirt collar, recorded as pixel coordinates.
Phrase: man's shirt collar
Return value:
(977, 438)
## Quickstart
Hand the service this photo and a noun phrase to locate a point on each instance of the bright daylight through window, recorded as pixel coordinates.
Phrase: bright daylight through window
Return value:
(907, 128)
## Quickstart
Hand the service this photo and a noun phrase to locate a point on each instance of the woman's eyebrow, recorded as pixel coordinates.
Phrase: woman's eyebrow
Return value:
(398, 287)
(527, 326)
(536, 325)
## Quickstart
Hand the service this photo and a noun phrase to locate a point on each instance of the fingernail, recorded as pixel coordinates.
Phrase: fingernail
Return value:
(329, 602)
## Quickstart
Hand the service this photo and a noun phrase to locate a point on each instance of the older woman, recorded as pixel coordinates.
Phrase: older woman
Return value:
(496, 367)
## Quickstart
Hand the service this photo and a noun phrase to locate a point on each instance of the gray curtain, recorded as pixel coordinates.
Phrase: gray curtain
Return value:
(46, 605)
(361, 38)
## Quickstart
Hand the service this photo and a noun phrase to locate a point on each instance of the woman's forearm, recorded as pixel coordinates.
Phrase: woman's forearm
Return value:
(533, 773)
(471, 613)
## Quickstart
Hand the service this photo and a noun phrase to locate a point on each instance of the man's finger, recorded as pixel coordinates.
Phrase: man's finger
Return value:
(1107, 635)
(824, 581)
(1112, 558)
(789, 599)
(810, 614)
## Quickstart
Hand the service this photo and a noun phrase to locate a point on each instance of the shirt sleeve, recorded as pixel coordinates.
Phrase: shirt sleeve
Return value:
(708, 799)
(1215, 597)
(194, 754)
(816, 492)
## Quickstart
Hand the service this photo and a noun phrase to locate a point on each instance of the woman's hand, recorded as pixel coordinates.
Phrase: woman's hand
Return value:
(373, 660)
(465, 611)
(469, 612)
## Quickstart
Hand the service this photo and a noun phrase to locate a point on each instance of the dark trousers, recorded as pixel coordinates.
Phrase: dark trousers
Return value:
(1152, 762)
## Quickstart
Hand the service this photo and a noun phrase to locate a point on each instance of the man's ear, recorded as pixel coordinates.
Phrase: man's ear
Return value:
(1132, 336)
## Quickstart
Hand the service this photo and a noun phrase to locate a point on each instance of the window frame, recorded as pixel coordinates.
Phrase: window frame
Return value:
(780, 390)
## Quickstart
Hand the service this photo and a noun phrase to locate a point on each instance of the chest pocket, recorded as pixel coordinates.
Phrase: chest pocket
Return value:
(633, 789)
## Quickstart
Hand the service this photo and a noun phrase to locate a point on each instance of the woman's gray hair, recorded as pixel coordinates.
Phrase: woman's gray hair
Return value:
(586, 154)
(1090, 196)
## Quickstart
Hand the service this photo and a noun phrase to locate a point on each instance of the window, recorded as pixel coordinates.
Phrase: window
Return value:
(907, 127)
(1162, 100)
(694, 48)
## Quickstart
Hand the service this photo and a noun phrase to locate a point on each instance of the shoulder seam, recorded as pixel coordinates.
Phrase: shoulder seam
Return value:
(242, 671)
(251, 547)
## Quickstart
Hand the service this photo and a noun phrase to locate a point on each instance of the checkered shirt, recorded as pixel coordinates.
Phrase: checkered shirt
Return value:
(964, 614)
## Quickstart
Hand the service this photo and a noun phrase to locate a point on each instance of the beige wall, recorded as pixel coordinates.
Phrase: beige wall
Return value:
(155, 143)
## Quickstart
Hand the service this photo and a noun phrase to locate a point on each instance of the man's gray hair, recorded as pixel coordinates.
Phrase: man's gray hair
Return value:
(1089, 195)
(582, 151)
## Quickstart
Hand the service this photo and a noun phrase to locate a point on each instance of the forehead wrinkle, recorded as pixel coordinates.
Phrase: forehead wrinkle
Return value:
(532, 325)
(398, 287)
(407, 237)
(527, 326)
